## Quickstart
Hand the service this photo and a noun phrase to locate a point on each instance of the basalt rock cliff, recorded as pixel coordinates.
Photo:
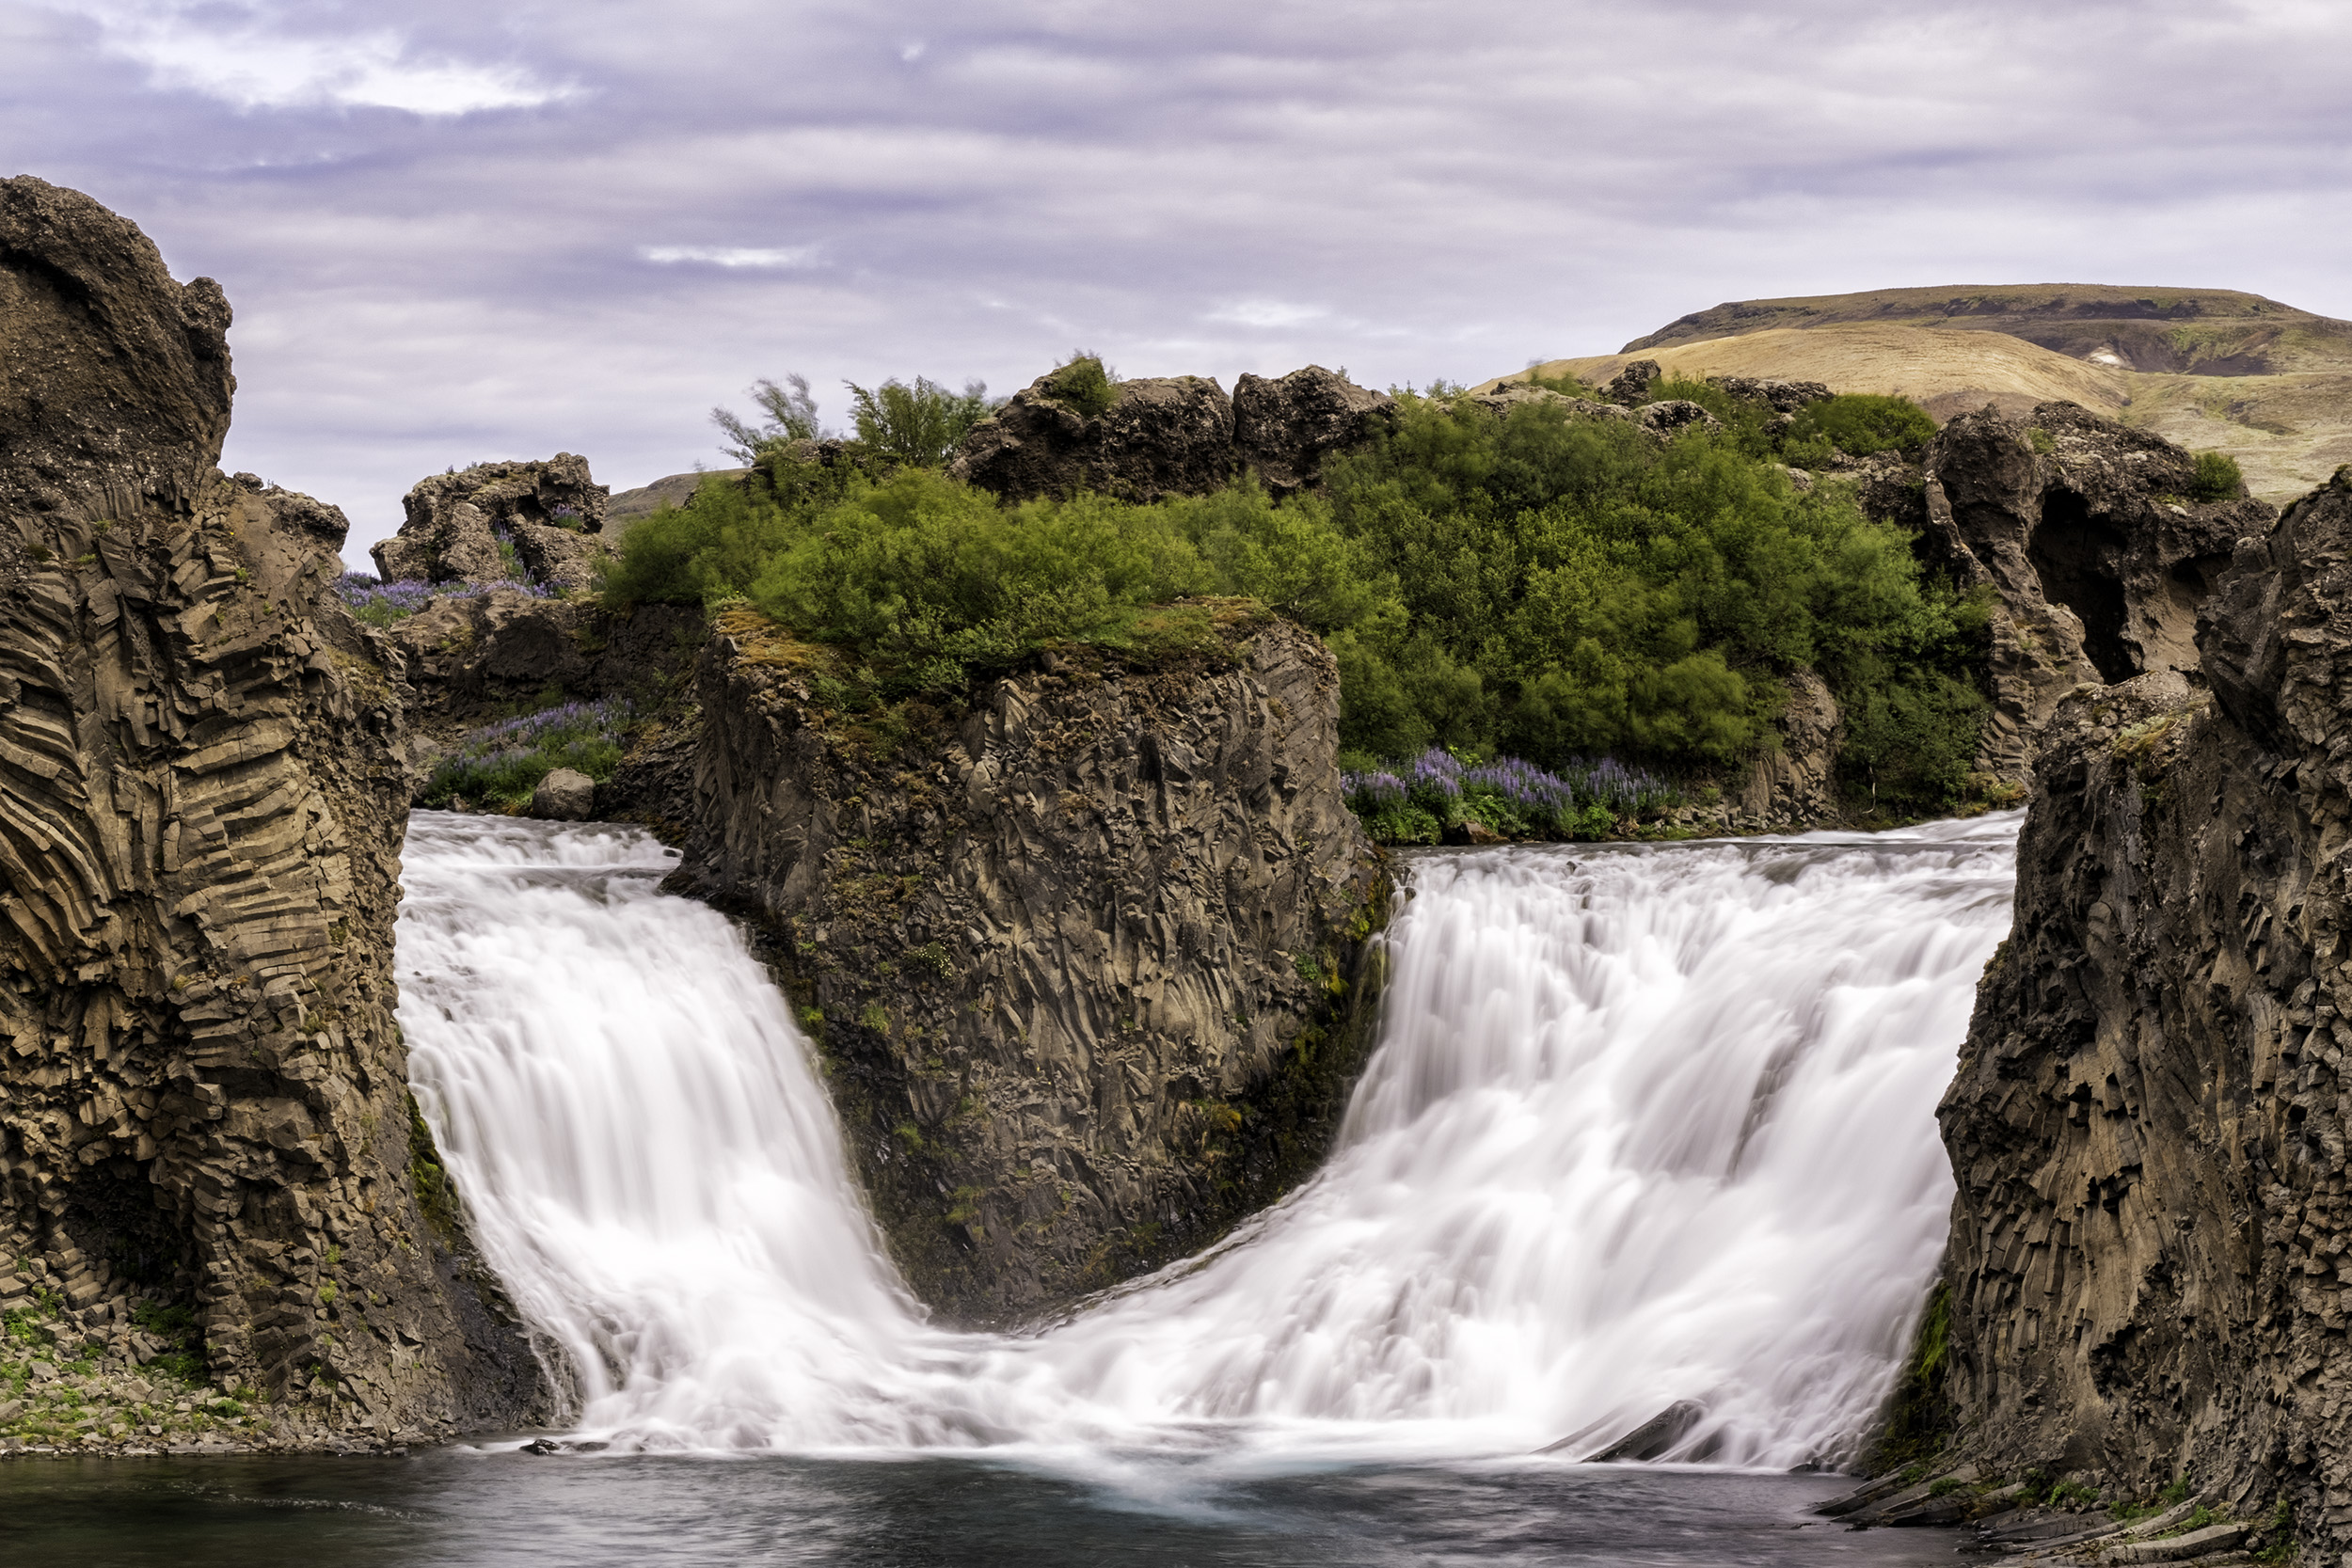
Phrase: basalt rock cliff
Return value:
(2152, 1243)
(203, 1105)
(1087, 961)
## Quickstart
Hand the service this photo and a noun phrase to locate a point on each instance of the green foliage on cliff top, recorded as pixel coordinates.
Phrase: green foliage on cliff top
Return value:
(1532, 584)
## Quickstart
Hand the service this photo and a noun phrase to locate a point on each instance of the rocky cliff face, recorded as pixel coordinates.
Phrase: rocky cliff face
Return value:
(2149, 1255)
(203, 1093)
(2084, 528)
(1172, 436)
(1087, 962)
(549, 513)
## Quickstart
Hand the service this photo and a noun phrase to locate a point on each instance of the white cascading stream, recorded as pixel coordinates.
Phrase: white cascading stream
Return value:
(1643, 1125)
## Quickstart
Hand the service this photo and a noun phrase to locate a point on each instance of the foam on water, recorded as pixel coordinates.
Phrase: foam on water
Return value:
(1643, 1125)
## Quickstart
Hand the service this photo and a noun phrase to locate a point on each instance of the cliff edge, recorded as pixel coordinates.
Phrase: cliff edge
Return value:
(1089, 962)
(2148, 1262)
(210, 1172)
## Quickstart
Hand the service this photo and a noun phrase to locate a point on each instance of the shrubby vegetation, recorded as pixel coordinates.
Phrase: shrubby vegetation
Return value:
(499, 765)
(1417, 801)
(2217, 477)
(1531, 586)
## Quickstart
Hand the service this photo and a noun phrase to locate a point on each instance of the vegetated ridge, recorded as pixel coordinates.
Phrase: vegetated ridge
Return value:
(2209, 369)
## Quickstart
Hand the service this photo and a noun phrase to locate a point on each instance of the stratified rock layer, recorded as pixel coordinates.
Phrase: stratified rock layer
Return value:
(1087, 962)
(2150, 1256)
(203, 1093)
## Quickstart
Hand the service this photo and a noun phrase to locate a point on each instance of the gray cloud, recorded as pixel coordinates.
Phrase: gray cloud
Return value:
(458, 231)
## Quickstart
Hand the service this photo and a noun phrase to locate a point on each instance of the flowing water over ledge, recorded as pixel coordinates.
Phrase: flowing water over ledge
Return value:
(1646, 1124)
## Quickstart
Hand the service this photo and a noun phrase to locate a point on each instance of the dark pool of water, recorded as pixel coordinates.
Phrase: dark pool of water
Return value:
(468, 1507)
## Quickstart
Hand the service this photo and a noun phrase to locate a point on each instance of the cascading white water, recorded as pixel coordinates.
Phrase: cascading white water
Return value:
(1645, 1125)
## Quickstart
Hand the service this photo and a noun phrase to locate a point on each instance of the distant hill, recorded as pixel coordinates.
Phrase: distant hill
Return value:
(2165, 331)
(2209, 368)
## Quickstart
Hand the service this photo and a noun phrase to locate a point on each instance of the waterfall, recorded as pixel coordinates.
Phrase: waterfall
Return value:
(1646, 1124)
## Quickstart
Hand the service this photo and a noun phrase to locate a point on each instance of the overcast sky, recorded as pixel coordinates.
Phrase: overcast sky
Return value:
(454, 231)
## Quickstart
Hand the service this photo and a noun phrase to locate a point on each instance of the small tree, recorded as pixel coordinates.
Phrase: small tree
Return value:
(791, 417)
(2217, 477)
(920, 426)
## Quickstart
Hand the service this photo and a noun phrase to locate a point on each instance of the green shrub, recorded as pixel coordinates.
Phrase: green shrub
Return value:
(920, 426)
(1535, 585)
(1084, 383)
(1861, 424)
(2217, 478)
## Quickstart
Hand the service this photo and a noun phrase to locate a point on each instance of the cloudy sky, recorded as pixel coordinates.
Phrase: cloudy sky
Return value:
(455, 232)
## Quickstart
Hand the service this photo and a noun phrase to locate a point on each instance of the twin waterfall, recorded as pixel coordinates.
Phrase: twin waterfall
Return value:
(1645, 1125)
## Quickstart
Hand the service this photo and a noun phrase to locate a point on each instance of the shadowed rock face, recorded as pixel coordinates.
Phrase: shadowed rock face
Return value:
(2084, 528)
(1087, 964)
(550, 511)
(2147, 1260)
(203, 1093)
(1173, 436)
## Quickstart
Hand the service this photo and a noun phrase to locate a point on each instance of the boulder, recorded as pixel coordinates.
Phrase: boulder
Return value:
(550, 511)
(564, 796)
(1675, 416)
(1630, 389)
(1285, 428)
(1798, 782)
(1507, 395)
(96, 432)
(1780, 397)
(1656, 1437)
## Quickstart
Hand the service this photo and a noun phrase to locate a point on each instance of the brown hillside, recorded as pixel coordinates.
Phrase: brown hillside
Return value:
(1953, 349)
(2176, 331)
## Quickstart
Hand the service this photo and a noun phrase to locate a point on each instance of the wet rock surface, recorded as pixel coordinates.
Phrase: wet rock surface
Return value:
(2146, 1124)
(203, 1106)
(1086, 960)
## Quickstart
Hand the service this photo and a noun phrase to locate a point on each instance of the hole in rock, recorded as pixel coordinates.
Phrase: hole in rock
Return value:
(2077, 558)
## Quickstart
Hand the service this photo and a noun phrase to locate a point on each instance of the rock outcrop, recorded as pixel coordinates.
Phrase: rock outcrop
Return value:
(547, 512)
(1170, 436)
(2084, 530)
(2148, 1267)
(1087, 962)
(1283, 429)
(1630, 386)
(203, 1103)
